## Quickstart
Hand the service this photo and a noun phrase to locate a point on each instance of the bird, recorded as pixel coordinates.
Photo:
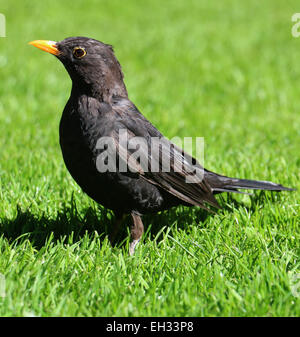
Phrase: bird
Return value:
(99, 109)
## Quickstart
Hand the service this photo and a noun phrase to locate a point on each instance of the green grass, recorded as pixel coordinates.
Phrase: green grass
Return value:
(228, 71)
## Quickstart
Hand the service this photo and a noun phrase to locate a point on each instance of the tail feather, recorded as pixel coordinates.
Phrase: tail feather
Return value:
(221, 183)
(232, 190)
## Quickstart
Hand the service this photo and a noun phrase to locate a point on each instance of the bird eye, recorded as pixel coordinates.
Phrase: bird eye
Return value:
(79, 52)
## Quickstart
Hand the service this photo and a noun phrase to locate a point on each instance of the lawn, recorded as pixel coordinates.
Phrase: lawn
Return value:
(227, 71)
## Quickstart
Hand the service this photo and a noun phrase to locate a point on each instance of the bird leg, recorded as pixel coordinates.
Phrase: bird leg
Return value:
(116, 227)
(136, 231)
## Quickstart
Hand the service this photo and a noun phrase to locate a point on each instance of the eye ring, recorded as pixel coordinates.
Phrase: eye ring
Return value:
(79, 52)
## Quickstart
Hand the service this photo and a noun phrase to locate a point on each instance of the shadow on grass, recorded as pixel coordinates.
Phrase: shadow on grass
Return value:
(66, 223)
(69, 222)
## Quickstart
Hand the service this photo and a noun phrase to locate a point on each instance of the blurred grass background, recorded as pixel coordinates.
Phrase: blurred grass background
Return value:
(226, 71)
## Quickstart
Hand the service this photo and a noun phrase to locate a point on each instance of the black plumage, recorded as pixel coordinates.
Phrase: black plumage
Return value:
(99, 107)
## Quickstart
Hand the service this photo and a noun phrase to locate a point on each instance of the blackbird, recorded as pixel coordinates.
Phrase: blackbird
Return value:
(99, 109)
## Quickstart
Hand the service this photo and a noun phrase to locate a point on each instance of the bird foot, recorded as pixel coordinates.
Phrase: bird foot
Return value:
(132, 246)
(137, 231)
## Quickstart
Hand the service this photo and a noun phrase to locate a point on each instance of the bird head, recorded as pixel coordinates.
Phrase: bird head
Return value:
(91, 64)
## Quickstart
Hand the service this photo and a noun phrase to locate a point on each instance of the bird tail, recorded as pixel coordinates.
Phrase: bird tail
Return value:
(221, 184)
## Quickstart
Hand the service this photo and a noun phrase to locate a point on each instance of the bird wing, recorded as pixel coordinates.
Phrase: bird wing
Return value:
(163, 164)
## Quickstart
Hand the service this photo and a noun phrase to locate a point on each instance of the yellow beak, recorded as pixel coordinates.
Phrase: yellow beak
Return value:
(48, 46)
